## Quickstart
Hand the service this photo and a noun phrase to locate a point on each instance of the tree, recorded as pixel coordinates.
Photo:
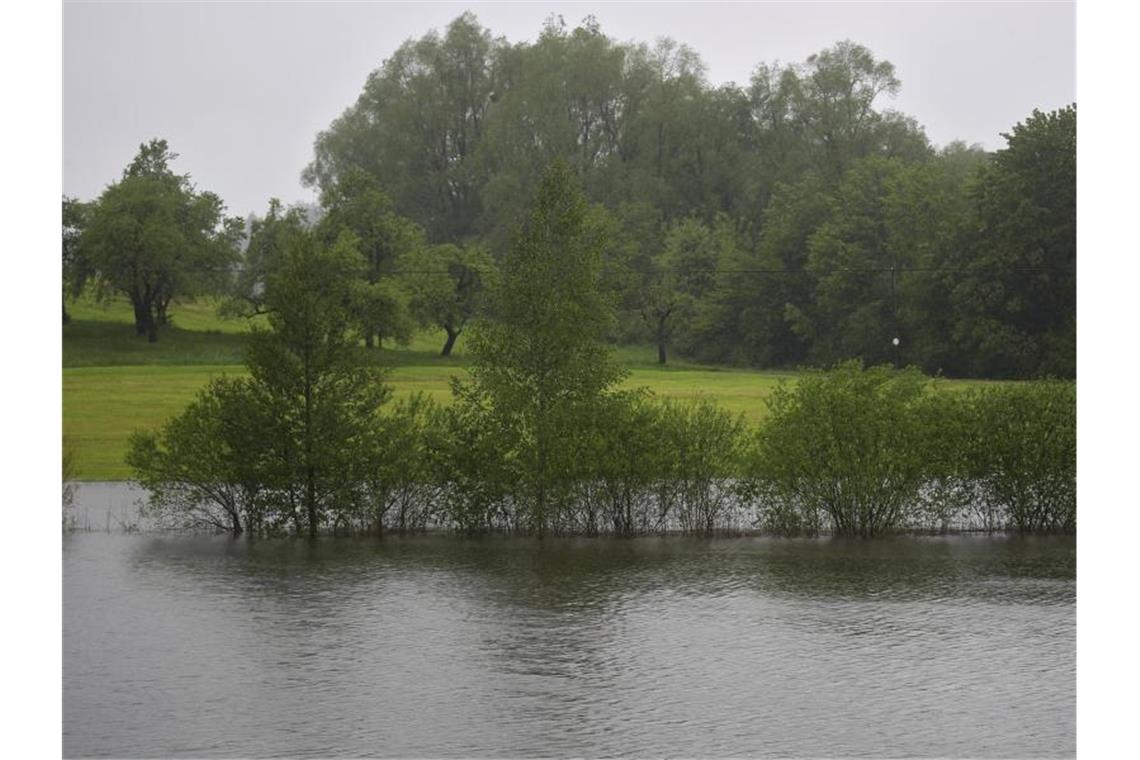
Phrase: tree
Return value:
(1015, 299)
(307, 364)
(298, 442)
(264, 254)
(448, 286)
(208, 466)
(849, 447)
(76, 270)
(541, 358)
(355, 203)
(153, 237)
(416, 127)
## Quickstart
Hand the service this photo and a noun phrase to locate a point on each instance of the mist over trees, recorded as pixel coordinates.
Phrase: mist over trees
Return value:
(792, 219)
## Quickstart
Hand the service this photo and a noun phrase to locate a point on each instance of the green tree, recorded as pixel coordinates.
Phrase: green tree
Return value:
(356, 203)
(153, 237)
(307, 362)
(542, 355)
(853, 310)
(296, 444)
(208, 467)
(264, 253)
(417, 125)
(1015, 298)
(76, 270)
(447, 286)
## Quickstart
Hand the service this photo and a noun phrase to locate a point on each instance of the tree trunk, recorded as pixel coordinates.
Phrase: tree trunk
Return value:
(660, 350)
(151, 328)
(311, 499)
(368, 339)
(66, 316)
(142, 316)
(451, 336)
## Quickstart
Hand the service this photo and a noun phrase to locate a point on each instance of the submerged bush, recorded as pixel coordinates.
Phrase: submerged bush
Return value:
(1023, 453)
(703, 446)
(848, 449)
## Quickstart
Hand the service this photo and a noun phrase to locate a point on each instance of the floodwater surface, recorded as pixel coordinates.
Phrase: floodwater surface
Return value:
(203, 646)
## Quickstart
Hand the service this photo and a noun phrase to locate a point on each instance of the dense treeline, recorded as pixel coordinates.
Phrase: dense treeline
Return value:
(789, 221)
(540, 439)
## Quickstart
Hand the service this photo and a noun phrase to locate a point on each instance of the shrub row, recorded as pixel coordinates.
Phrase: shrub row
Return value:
(849, 451)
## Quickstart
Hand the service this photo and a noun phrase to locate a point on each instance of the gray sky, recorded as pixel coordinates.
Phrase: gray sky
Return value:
(240, 89)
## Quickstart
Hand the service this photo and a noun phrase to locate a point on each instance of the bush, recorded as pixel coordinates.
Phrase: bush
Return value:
(850, 447)
(703, 446)
(1023, 454)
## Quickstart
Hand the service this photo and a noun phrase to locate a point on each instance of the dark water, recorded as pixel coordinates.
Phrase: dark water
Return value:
(439, 646)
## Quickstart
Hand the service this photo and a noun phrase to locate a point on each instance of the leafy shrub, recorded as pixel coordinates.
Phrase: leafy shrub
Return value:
(1023, 454)
(703, 446)
(850, 447)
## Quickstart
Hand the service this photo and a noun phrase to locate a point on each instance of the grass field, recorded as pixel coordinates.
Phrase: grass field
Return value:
(115, 382)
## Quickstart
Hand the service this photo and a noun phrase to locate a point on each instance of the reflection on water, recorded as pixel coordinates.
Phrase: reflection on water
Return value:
(441, 646)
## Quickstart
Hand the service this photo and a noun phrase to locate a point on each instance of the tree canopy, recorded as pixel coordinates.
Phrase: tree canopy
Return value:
(153, 237)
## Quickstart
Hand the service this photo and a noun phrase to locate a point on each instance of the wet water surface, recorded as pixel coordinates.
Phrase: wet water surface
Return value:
(197, 646)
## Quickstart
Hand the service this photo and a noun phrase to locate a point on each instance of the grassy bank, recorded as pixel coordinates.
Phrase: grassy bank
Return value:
(115, 382)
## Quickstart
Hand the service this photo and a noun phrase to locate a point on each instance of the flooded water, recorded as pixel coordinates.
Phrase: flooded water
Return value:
(193, 646)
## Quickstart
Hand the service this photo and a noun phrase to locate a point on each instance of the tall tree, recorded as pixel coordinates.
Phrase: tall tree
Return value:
(295, 444)
(307, 365)
(1016, 298)
(542, 356)
(153, 237)
(416, 126)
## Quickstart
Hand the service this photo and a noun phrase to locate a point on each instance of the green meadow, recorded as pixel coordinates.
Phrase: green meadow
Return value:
(115, 382)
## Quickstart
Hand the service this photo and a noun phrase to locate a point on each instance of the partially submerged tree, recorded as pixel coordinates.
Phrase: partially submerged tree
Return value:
(542, 355)
(153, 237)
(296, 442)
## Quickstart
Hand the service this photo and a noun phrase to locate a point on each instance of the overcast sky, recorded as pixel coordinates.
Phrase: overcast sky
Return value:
(240, 89)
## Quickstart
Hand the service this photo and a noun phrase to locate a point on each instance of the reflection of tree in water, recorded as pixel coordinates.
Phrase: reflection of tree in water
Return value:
(908, 568)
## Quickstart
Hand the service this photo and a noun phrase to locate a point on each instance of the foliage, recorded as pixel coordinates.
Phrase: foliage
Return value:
(76, 270)
(1022, 453)
(292, 444)
(153, 237)
(264, 254)
(848, 229)
(846, 449)
(417, 125)
(1016, 300)
(447, 286)
(541, 357)
(356, 204)
(207, 467)
(702, 449)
